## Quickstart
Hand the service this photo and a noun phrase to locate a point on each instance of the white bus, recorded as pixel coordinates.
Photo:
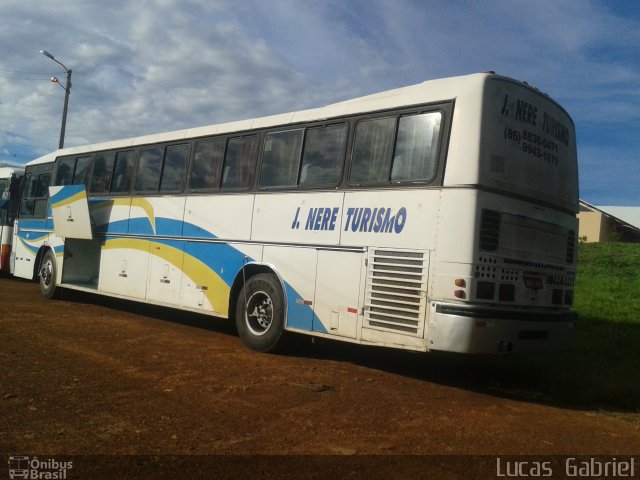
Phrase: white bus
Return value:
(10, 177)
(439, 216)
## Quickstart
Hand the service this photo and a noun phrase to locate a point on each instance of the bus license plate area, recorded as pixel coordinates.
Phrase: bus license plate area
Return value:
(533, 335)
(534, 283)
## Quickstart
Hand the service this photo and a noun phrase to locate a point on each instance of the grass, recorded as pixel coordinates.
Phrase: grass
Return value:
(608, 283)
(603, 369)
(607, 350)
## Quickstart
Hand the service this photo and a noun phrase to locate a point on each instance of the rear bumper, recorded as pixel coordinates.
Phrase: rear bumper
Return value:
(469, 329)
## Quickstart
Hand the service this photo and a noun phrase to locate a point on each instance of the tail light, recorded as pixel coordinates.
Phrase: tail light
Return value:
(5, 253)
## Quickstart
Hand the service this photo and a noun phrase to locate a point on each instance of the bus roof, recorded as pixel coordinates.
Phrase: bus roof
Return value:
(422, 93)
(7, 171)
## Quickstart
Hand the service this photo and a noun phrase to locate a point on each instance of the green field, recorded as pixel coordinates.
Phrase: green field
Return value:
(605, 364)
(603, 369)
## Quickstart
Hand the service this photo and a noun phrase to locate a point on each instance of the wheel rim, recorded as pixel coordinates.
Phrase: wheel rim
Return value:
(46, 273)
(259, 313)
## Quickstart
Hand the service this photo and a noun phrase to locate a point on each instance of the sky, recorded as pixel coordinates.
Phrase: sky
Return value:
(153, 66)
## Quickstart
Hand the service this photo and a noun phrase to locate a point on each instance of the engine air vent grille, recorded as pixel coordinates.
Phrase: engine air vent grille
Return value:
(396, 290)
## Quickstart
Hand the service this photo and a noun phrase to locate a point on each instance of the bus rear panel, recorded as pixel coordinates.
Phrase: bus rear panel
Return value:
(507, 251)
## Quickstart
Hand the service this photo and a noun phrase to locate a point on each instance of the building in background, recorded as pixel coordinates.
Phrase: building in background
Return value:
(608, 224)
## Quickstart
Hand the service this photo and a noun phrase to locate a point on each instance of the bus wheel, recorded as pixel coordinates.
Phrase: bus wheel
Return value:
(48, 275)
(260, 313)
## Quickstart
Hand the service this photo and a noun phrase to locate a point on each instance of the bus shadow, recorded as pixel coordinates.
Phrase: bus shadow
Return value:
(173, 315)
(598, 374)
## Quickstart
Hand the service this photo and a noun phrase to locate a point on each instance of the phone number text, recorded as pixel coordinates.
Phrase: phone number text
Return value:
(533, 144)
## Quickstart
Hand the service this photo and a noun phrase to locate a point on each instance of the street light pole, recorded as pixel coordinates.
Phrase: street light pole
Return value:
(67, 91)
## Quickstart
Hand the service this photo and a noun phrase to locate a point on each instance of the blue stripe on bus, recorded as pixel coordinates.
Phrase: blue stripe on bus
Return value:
(31, 248)
(140, 226)
(40, 224)
(194, 231)
(32, 236)
(119, 226)
(224, 260)
(169, 227)
(66, 192)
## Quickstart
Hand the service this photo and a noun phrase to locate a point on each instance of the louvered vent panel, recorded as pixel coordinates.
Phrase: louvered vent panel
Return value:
(490, 230)
(396, 290)
(571, 246)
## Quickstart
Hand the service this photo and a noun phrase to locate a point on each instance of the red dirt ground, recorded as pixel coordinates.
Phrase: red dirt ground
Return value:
(95, 376)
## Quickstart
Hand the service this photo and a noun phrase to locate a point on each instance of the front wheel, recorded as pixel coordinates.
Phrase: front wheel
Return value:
(48, 275)
(260, 313)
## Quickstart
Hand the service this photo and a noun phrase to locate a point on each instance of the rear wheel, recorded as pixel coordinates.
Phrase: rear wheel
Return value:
(260, 313)
(48, 274)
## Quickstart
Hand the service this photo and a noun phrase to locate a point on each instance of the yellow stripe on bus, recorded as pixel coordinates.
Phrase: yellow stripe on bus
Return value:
(217, 291)
(81, 195)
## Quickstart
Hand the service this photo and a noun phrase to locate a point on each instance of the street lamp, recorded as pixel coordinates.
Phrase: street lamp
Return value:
(67, 90)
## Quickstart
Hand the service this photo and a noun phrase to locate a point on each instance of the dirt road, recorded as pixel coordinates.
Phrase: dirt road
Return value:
(91, 375)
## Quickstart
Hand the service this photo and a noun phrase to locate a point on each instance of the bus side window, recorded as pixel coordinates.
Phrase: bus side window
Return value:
(102, 172)
(4, 188)
(83, 171)
(27, 203)
(38, 198)
(372, 150)
(323, 156)
(239, 163)
(281, 159)
(415, 156)
(123, 172)
(64, 172)
(36, 194)
(14, 196)
(207, 160)
(149, 169)
(42, 189)
(174, 171)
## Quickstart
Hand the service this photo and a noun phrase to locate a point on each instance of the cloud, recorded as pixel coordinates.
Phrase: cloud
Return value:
(161, 65)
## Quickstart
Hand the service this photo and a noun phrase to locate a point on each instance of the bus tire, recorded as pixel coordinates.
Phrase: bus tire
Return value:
(260, 313)
(47, 275)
